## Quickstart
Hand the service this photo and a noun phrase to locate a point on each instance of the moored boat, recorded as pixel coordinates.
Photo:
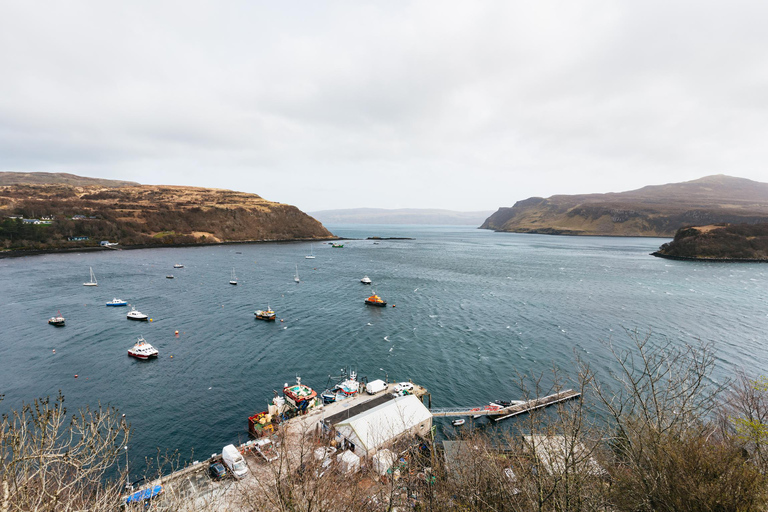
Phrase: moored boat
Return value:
(366, 280)
(375, 300)
(265, 314)
(311, 254)
(337, 246)
(142, 349)
(178, 265)
(346, 386)
(233, 280)
(136, 315)
(169, 276)
(458, 422)
(92, 282)
(299, 395)
(117, 302)
(57, 321)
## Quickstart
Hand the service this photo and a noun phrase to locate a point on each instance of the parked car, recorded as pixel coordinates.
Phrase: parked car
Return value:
(402, 388)
(217, 470)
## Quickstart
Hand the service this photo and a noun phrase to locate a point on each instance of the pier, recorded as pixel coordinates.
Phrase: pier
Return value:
(502, 413)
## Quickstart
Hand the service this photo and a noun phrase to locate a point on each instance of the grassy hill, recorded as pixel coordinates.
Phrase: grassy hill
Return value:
(658, 210)
(143, 215)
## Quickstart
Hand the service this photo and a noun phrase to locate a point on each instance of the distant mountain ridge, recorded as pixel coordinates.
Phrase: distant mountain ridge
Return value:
(400, 216)
(656, 210)
(62, 215)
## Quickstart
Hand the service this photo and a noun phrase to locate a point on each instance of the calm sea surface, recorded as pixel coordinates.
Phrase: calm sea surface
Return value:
(473, 309)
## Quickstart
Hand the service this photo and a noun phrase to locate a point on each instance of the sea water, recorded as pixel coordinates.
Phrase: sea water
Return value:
(469, 312)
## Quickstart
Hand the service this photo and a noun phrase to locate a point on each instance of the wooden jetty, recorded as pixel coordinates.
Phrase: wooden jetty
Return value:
(520, 407)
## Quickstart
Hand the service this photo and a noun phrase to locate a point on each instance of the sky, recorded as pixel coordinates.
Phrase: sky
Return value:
(392, 104)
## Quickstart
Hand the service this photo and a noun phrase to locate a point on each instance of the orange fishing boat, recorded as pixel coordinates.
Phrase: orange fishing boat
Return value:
(375, 300)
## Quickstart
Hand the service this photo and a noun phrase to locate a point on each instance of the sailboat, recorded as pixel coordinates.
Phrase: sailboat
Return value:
(92, 282)
(296, 277)
(234, 277)
(311, 254)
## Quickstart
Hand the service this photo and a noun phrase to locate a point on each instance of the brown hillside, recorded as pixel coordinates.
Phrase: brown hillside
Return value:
(146, 215)
(658, 210)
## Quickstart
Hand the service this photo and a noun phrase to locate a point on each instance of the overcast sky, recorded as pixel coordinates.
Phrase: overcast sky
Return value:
(390, 104)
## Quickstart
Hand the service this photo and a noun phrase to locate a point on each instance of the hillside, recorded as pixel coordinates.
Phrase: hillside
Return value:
(62, 216)
(723, 242)
(658, 210)
(400, 216)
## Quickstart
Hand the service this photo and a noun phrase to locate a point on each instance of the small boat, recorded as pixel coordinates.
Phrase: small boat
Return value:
(503, 403)
(458, 422)
(142, 350)
(57, 320)
(178, 265)
(337, 246)
(347, 386)
(92, 282)
(136, 315)
(296, 276)
(267, 314)
(169, 276)
(299, 395)
(117, 302)
(366, 280)
(233, 280)
(145, 495)
(311, 254)
(375, 300)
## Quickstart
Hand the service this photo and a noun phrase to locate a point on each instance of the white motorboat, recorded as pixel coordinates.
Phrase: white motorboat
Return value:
(136, 315)
(117, 302)
(233, 280)
(142, 350)
(366, 280)
(178, 265)
(92, 282)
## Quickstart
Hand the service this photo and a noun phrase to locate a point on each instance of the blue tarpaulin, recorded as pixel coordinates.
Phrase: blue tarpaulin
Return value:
(146, 494)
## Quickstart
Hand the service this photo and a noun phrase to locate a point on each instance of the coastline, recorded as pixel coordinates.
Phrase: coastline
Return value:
(37, 252)
(713, 260)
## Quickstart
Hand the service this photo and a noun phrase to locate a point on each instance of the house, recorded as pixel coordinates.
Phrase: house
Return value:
(79, 217)
(30, 221)
(382, 425)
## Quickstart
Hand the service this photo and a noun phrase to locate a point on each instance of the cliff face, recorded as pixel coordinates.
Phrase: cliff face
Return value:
(650, 211)
(144, 215)
(728, 242)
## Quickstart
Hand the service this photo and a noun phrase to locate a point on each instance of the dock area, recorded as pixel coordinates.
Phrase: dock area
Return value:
(517, 407)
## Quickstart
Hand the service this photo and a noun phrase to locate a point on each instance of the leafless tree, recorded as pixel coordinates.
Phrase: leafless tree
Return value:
(50, 461)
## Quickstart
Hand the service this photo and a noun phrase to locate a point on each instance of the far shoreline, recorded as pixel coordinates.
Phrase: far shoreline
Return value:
(713, 260)
(20, 253)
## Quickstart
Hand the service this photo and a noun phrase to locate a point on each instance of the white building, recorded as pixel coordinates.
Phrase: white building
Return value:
(383, 424)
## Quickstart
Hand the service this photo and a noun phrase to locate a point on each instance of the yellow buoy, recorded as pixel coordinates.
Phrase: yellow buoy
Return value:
(150, 319)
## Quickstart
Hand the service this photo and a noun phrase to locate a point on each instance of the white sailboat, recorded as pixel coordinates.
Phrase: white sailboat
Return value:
(311, 254)
(296, 277)
(92, 282)
(234, 277)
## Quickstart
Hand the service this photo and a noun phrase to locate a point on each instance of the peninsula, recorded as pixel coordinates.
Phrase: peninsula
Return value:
(72, 212)
(740, 242)
(654, 211)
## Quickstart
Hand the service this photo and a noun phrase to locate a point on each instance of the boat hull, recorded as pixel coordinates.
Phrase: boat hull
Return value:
(379, 304)
(233, 283)
(56, 324)
(116, 305)
(141, 356)
(137, 319)
(90, 284)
